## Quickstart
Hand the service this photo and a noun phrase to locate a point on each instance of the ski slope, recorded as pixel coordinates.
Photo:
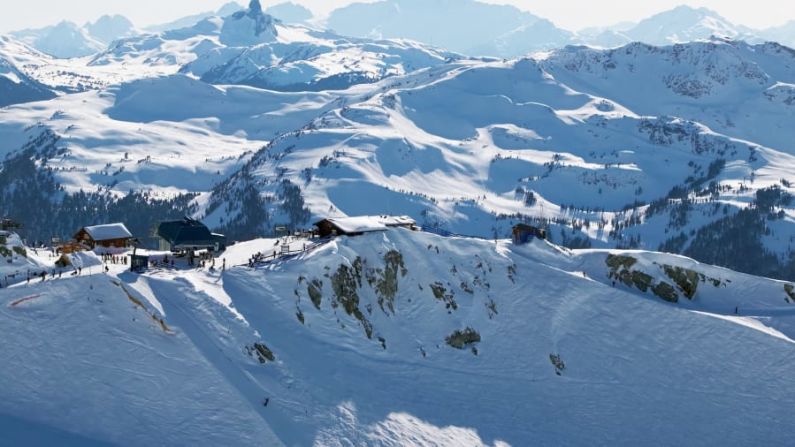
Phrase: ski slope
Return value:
(627, 356)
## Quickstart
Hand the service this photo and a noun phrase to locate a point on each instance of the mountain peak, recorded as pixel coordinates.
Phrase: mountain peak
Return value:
(685, 24)
(110, 27)
(249, 27)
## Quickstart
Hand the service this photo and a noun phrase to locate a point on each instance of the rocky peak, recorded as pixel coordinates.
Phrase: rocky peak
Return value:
(249, 27)
(255, 7)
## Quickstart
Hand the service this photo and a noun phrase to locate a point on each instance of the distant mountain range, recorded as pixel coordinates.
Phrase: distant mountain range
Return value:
(67, 39)
(475, 28)
(468, 27)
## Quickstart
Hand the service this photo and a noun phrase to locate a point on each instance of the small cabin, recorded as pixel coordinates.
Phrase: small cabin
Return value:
(188, 235)
(523, 234)
(356, 226)
(114, 235)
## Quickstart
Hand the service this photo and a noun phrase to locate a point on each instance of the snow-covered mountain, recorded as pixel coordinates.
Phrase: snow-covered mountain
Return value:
(686, 24)
(475, 147)
(68, 40)
(450, 335)
(650, 147)
(248, 47)
(64, 40)
(108, 28)
(475, 28)
(715, 83)
(252, 48)
(464, 26)
(402, 338)
(73, 75)
(15, 86)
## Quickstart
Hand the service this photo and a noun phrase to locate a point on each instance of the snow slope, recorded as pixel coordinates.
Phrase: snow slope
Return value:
(195, 137)
(16, 87)
(358, 330)
(90, 366)
(72, 75)
(716, 83)
(18, 261)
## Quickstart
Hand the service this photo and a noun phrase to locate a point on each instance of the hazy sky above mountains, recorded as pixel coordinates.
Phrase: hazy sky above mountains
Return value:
(569, 14)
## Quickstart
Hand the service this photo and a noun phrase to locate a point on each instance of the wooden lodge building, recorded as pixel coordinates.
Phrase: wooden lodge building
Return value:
(356, 226)
(114, 235)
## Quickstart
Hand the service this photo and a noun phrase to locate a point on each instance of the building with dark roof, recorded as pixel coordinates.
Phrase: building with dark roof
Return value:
(523, 233)
(188, 235)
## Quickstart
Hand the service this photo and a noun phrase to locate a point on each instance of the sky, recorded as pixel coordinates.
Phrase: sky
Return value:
(569, 14)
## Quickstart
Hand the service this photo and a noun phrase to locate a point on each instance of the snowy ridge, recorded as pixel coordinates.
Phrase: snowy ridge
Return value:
(387, 339)
(692, 81)
(476, 147)
(15, 85)
(249, 47)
